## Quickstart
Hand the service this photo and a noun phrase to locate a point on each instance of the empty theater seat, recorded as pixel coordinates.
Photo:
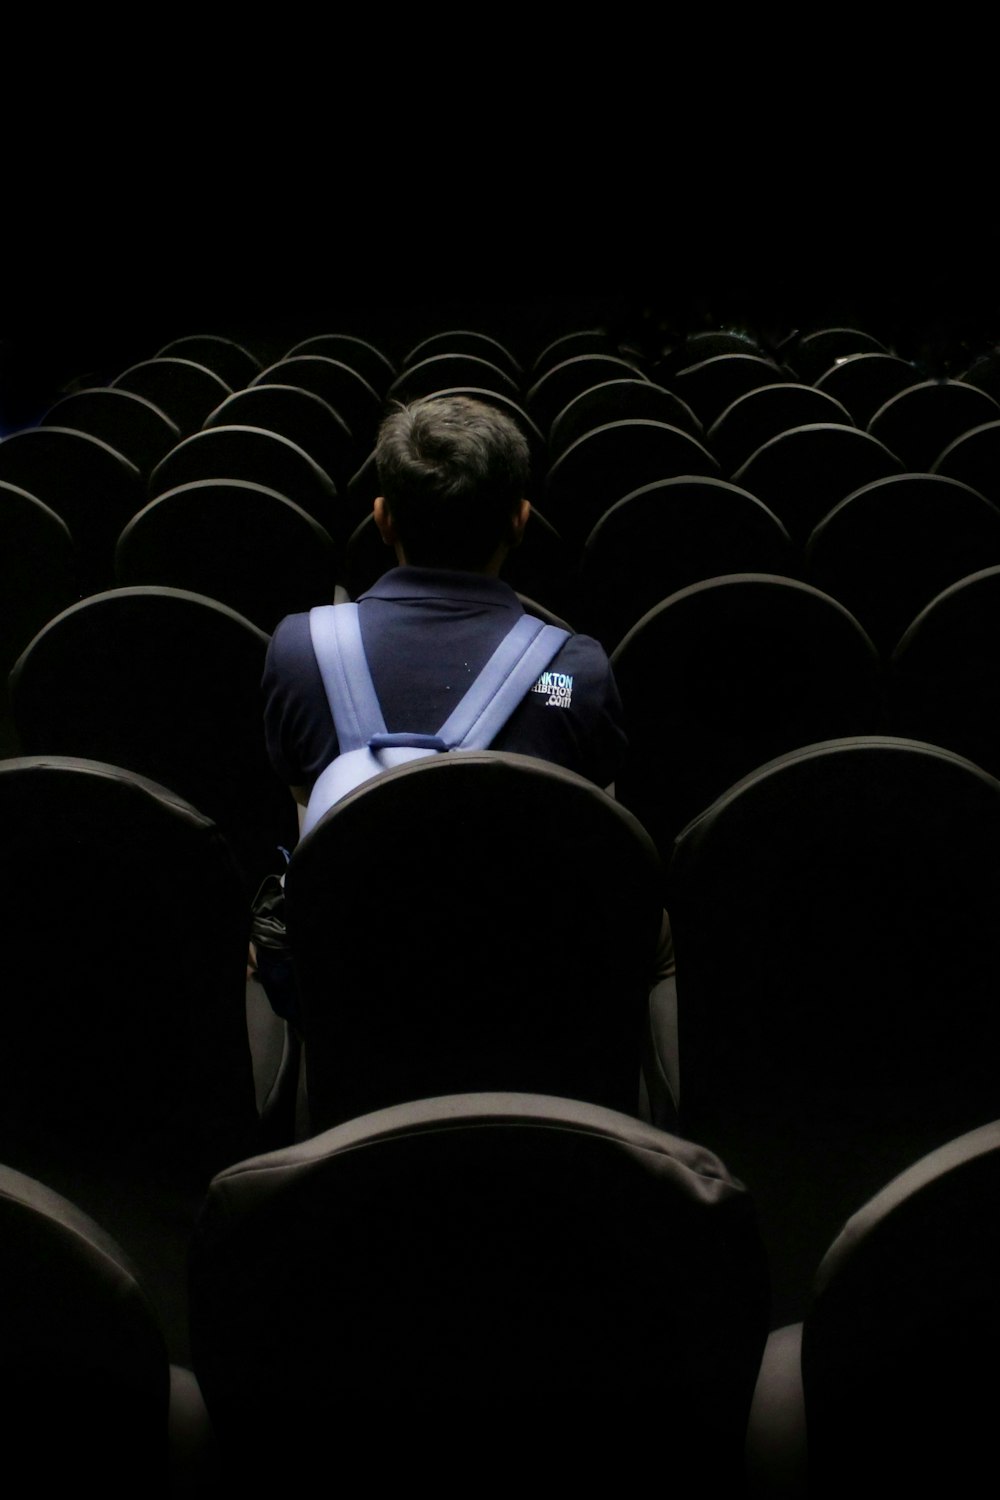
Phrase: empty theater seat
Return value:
(726, 674)
(167, 684)
(494, 1283)
(85, 1381)
(837, 974)
(891, 1381)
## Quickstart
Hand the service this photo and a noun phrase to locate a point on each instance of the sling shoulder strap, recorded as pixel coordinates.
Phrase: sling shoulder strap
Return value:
(511, 672)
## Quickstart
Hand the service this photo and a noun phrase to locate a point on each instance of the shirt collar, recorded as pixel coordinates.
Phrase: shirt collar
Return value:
(435, 583)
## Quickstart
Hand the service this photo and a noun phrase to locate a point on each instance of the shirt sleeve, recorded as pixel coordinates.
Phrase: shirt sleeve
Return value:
(573, 715)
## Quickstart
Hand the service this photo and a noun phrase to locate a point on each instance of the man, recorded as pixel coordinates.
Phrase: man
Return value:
(453, 474)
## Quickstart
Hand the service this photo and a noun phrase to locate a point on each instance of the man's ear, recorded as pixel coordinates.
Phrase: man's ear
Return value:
(518, 521)
(383, 520)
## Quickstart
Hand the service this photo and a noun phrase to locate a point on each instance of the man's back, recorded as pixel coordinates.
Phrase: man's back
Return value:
(427, 633)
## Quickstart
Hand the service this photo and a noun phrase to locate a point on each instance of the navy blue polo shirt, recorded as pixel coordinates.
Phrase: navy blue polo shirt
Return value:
(427, 633)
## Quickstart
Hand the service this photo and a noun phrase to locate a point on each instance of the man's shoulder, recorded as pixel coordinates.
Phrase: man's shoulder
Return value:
(584, 654)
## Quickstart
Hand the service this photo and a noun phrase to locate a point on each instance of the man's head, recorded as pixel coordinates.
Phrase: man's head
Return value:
(452, 473)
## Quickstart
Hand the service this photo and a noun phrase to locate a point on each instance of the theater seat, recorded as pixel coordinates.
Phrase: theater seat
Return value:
(473, 921)
(167, 684)
(471, 1290)
(126, 1077)
(85, 1383)
(726, 674)
(834, 918)
(890, 1386)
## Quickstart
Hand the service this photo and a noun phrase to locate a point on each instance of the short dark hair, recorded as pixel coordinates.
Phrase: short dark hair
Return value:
(453, 472)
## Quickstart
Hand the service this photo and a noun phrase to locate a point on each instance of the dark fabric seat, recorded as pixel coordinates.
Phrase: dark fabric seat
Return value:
(818, 350)
(712, 384)
(254, 455)
(889, 548)
(440, 372)
(84, 1376)
(834, 918)
(243, 544)
(301, 416)
(94, 488)
(620, 401)
(749, 421)
(609, 462)
(864, 382)
(557, 385)
(943, 681)
(803, 473)
(339, 384)
(185, 390)
(166, 683)
(455, 991)
(569, 346)
(725, 675)
(126, 1076)
(974, 459)
(892, 1376)
(918, 423)
(666, 536)
(228, 359)
(127, 422)
(38, 572)
(359, 354)
(500, 1258)
(465, 341)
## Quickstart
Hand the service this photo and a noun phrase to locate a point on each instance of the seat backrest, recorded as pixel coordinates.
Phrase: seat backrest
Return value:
(618, 401)
(501, 1258)
(38, 571)
(918, 423)
(497, 930)
(804, 472)
(726, 674)
(463, 341)
(550, 391)
(167, 684)
(974, 459)
(241, 543)
(84, 1376)
(886, 550)
(129, 423)
(439, 372)
(898, 1349)
(837, 974)
(943, 683)
(712, 384)
(255, 455)
(339, 383)
(359, 354)
(229, 360)
(124, 1019)
(667, 535)
(90, 485)
(186, 390)
(607, 463)
(816, 351)
(760, 414)
(301, 416)
(864, 382)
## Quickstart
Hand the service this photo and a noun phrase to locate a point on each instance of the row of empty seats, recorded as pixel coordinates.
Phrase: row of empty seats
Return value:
(594, 1279)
